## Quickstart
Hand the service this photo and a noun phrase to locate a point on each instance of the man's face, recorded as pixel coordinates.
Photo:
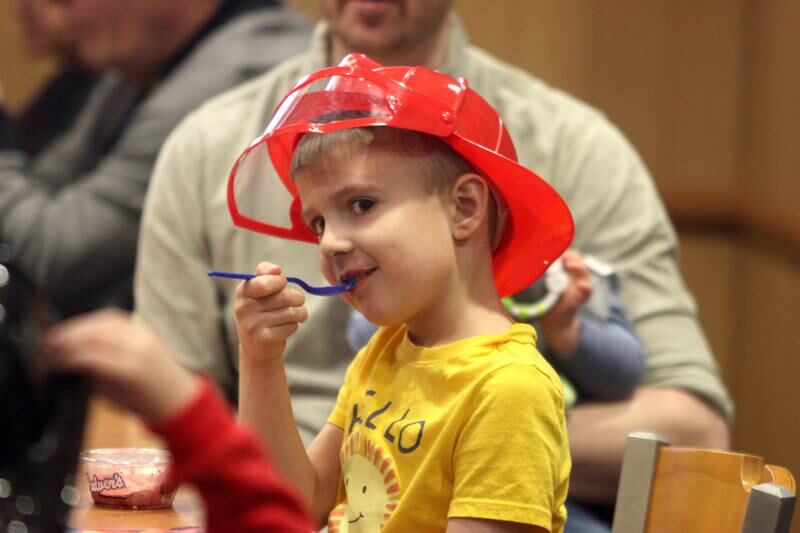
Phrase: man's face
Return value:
(114, 33)
(381, 27)
(45, 26)
(104, 39)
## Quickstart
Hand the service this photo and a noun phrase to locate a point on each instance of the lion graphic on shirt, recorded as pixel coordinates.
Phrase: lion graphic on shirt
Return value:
(371, 485)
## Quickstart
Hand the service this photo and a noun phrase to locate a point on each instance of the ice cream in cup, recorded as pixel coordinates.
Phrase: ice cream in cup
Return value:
(130, 478)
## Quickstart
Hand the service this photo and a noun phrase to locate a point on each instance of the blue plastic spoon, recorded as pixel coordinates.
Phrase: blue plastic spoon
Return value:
(331, 290)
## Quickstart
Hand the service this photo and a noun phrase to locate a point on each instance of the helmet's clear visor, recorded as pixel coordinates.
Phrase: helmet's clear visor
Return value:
(259, 188)
(329, 100)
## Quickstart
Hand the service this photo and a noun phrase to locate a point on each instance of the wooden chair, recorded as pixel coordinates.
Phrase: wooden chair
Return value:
(666, 489)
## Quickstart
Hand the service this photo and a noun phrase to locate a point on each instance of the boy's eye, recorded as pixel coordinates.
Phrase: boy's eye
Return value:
(317, 225)
(360, 206)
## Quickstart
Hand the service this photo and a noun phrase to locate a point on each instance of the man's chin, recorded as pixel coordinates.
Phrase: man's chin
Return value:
(373, 41)
(371, 8)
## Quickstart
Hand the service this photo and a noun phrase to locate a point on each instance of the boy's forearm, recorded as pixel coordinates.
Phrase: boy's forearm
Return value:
(597, 434)
(265, 406)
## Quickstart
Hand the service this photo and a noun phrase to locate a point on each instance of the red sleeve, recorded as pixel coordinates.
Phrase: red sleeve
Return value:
(231, 470)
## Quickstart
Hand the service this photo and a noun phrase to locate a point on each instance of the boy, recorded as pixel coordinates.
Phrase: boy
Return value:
(449, 418)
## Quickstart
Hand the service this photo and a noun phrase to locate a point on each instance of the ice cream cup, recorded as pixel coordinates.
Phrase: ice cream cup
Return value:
(130, 478)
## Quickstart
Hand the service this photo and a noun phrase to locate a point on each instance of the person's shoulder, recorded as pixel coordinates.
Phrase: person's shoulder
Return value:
(534, 109)
(274, 81)
(497, 80)
(245, 109)
(554, 132)
(518, 369)
(523, 377)
(255, 40)
(532, 390)
(238, 50)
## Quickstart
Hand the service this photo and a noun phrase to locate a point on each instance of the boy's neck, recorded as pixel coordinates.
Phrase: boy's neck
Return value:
(468, 303)
(468, 311)
(476, 324)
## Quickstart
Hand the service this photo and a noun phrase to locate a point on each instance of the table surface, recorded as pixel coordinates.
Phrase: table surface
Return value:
(109, 427)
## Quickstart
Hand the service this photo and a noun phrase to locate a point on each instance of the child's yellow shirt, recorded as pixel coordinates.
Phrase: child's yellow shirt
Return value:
(471, 429)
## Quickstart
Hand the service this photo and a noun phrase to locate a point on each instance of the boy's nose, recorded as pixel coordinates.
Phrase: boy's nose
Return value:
(334, 243)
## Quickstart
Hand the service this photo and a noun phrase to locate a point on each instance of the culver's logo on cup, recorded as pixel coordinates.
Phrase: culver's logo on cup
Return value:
(114, 482)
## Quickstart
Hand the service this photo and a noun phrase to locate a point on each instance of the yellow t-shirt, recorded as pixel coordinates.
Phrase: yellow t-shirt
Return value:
(471, 429)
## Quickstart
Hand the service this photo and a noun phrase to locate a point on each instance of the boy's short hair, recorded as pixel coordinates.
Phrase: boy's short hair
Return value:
(439, 163)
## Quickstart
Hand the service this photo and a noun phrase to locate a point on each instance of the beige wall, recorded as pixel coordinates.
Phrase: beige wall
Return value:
(709, 91)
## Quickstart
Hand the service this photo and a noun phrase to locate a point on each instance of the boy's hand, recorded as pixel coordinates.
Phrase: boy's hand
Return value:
(562, 323)
(129, 363)
(267, 313)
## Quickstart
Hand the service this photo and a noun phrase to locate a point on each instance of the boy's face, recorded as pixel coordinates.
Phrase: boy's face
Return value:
(377, 221)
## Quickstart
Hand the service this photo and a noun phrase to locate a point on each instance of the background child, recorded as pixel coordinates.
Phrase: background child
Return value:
(132, 367)
(585, 333)
(449, 418)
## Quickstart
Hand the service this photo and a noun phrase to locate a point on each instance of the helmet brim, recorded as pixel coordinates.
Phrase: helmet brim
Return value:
(539, 226)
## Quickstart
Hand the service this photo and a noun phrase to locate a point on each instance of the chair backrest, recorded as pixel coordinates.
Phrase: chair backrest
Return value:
(666, 489)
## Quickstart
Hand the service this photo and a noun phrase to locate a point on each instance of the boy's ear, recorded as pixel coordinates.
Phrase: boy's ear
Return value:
(469, 197)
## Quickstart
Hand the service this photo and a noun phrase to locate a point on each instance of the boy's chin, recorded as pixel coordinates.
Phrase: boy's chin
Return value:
(380, 319)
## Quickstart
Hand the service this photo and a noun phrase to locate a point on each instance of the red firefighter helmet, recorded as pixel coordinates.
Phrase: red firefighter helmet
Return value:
(537, 225)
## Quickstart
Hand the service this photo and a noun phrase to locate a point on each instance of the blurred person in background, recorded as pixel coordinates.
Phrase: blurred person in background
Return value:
(620, 219)
(74, 168)
(46, 33)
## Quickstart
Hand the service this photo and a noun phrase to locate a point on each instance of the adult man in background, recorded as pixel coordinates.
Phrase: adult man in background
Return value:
(619, 219)
(71, 196)
(46, 33)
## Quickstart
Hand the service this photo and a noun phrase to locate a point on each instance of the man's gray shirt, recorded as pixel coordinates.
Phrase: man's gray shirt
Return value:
(71, 213)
